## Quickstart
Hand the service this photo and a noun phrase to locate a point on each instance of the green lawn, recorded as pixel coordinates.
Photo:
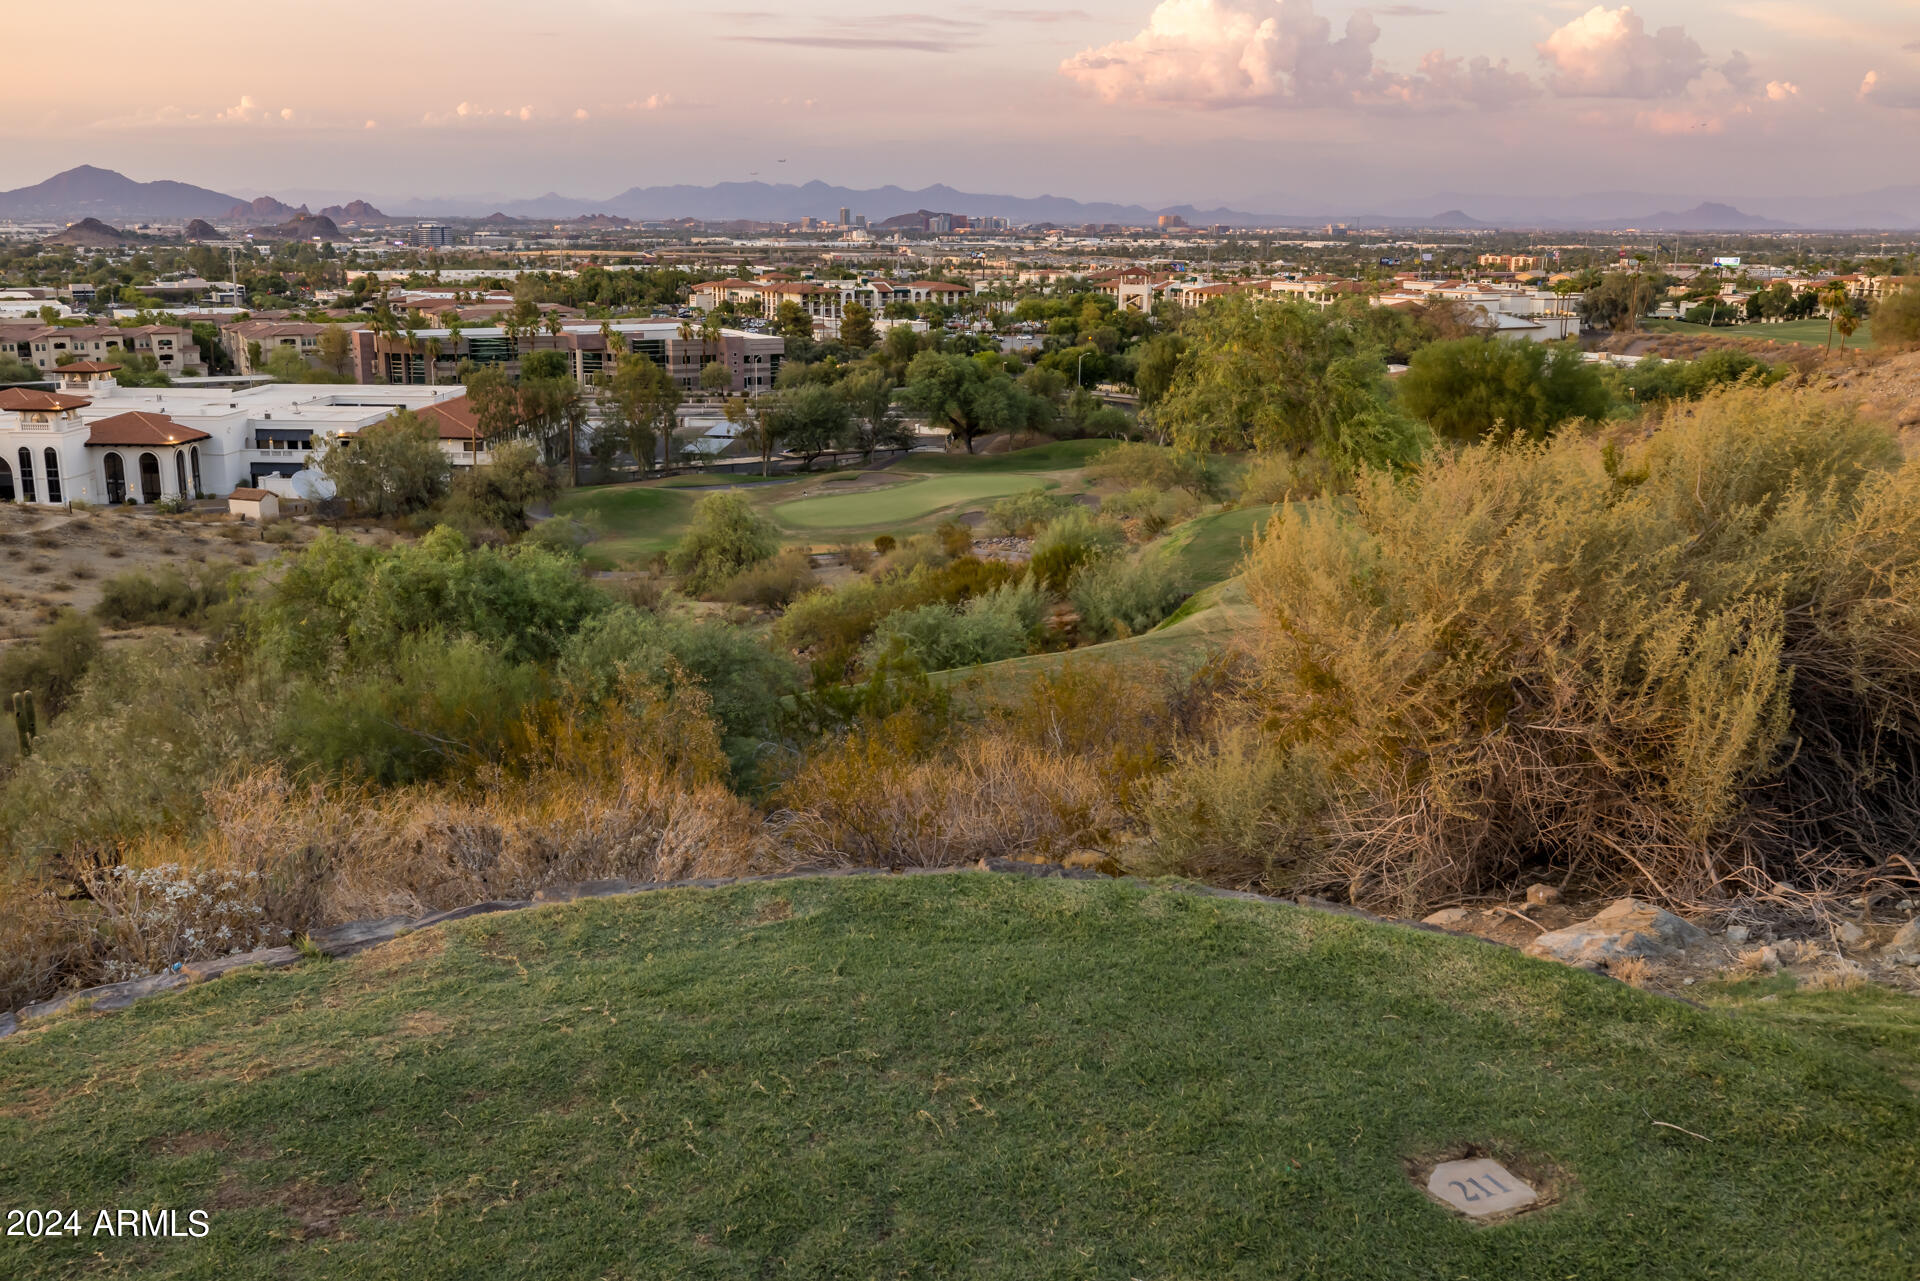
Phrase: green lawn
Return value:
(947, 1076)
(1211, 548)
(636, 521)
(1809, 333)
(899, 504)
(1219, 614)
(1060, 455)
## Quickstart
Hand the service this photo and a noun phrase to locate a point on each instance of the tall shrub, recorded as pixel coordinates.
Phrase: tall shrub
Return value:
(1689, 667)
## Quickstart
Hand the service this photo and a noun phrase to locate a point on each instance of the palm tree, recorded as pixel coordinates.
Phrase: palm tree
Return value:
(1846, 323)
(1833, 297)
(409, 326)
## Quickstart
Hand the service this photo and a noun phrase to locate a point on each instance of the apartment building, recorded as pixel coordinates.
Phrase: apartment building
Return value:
(1877, 287)
(823, 300)
(244, 338)
(44, 346)
(1510, 312)
(1319, 290)
(432, 356)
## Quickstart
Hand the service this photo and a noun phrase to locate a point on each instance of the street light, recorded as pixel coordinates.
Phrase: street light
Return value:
(1078, 365)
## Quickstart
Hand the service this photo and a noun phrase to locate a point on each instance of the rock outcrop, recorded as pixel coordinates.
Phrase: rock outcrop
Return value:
(1625, 929)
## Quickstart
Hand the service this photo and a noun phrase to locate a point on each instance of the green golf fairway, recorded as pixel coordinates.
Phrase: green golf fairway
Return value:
(635, 522)
(899, 503)
(967, 1076)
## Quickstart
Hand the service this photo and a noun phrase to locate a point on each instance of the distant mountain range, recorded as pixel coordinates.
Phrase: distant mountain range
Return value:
(101, 193)
(1702, 217)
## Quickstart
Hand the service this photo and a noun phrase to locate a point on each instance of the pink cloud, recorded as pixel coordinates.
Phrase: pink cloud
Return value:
(1608, 53)
(1275, 53)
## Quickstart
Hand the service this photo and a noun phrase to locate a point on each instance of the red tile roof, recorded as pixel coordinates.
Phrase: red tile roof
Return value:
(454, 419)
(87, 367)
(141, 428)
(18, 399)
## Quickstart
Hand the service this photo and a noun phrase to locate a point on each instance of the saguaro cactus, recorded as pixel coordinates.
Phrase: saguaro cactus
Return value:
(25, 727)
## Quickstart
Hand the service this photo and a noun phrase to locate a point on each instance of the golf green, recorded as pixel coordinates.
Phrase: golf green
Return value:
(899, 503)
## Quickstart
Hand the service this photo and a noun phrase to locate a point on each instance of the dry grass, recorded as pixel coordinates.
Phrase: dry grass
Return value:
(865, 800)
(636, 793)
(1834, 975)
(1068, 763)
(1634, 971)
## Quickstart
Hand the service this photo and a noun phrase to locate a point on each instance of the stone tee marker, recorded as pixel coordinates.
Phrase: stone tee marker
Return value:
(1479, 1187)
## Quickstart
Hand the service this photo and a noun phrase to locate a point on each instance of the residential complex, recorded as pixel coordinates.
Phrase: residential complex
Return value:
(44, 346)
(432, 356)
(823, 300)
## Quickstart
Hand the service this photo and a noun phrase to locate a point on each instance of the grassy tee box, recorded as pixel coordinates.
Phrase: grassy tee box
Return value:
(945, 1076)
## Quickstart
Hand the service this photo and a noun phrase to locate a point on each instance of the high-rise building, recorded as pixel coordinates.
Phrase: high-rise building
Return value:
(433, 235)
(846, 219)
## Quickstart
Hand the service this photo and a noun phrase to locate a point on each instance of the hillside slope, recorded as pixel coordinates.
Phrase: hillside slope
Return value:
(950, 1075)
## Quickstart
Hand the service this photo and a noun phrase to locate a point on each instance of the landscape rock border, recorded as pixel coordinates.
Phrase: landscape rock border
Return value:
(357, 936)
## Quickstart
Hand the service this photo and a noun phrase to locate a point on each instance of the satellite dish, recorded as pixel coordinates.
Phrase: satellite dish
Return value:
(311, 484)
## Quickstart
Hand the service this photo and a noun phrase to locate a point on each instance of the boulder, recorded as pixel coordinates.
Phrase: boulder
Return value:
(1449, 918)
(1626, 928)
(1849, 935)
(1905, 941)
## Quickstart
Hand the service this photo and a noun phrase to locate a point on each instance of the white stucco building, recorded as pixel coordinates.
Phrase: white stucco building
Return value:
(96, 442)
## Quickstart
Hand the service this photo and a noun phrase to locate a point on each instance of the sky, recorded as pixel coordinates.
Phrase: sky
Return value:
(1261, 104)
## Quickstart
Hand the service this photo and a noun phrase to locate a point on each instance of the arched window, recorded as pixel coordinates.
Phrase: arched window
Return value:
(180, 474)
(26, 474)
(6, 482)
(149, 478)
(193, 456)
(53, 475)
(116, 478)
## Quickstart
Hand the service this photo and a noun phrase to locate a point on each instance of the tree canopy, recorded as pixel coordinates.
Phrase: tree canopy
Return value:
(1285, 376)
(970, 396)
(640, 406)
(1474, 387)
(391, 468)
(808, 420)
